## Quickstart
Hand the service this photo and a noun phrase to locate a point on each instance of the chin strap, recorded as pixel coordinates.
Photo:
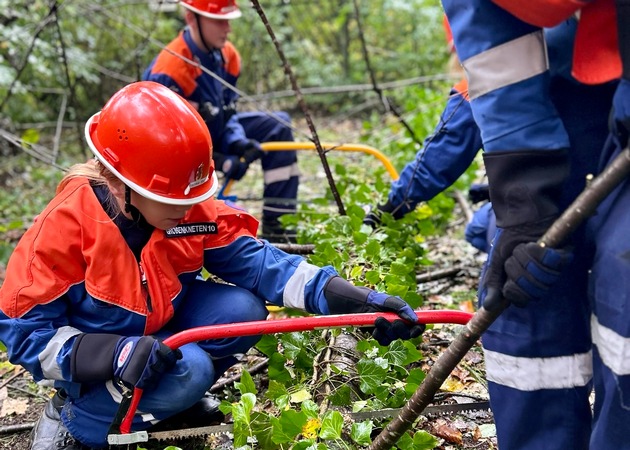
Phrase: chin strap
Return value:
(129, 208)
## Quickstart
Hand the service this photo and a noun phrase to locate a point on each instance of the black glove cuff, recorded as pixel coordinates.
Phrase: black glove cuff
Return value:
(92, 357)
(343, 297)
(526, 186)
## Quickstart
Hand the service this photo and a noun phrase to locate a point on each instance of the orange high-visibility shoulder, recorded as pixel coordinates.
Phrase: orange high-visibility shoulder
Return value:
(542, 13)
(462, 88)
(183, 71)
(232, 59)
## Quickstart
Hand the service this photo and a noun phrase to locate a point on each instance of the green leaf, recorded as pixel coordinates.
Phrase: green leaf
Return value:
(262, 429)
(371, 376)
(341, 396)
(331, 425)
(275, 390)
(277, 369)
(424, 441)
(268, 344)
(361, 431)
(246, 385)
(292, 422)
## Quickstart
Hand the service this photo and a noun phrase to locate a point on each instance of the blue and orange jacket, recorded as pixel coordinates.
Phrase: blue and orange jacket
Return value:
(183, 74)
(596, 56)
(445, 156)
(73, 272)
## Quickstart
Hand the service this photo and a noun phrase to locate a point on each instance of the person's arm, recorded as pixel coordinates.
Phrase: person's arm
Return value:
(525, 145)
(288, 280)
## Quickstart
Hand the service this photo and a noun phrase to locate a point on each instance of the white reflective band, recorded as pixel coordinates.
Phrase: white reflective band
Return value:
(48, 357)
(506, 64)
(533, 374)
(293, 296)
(281, 173)
(613, 348)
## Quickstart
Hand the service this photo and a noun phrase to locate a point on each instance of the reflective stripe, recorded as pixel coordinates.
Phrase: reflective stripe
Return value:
(281, 173)
(613, 348)
(506, 64)
(533, 374)
(293, 296)
(48, 357)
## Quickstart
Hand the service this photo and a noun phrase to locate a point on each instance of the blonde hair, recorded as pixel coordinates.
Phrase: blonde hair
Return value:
(98, 175)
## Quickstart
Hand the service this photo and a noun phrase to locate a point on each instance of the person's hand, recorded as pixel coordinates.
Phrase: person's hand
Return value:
(137, 361)
(373, 216)
(385, 332)
(478, 193)
(526, 188)
(345, 298)
(140, 361)
(233, 168)
(248, 150)
(519, 270)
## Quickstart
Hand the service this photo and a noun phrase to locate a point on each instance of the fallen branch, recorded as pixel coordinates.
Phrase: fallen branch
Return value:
(583, 207)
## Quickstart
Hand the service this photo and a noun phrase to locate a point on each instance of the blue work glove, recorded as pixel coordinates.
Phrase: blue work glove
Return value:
(525, 188)
(137, 361)
(621, 112)
(140, 361)
(481, 228)
(242, 154)
(520, 270)
(345, 298)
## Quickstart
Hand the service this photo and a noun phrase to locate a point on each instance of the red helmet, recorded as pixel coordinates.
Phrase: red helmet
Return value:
(156, 143)
(215, 9)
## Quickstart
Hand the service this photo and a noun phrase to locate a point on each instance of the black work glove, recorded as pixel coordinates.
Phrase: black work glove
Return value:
(248, 150)
(373, 217)
(525, 187)
(345, 298)
(137, 361)
(478, 193)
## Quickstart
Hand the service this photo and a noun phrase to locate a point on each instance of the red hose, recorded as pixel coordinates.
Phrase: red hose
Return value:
(309, 323)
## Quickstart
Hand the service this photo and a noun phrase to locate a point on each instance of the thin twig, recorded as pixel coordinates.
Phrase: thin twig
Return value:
(300, 99)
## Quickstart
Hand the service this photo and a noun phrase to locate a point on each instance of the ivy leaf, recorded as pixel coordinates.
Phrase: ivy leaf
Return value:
(414, 379)
(246, 385)
(241, 415)
(262, 429)
(293, 344)
(300, 396)
(292, 422)
(341, 396)
(276, 390)
(277, 369)
(424, 441)
(310, 408)
(396, 353)
(268, 345)
(360, 432)
(331, 425)
(371, 376)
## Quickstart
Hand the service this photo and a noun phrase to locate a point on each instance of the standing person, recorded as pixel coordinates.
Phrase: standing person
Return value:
(545, 349)
(201, 65)
(112, 266)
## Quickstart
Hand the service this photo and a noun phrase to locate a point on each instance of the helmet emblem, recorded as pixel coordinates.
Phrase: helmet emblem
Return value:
(199, 179)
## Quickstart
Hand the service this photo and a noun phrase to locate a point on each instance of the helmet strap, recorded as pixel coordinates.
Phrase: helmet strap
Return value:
(203, 41)
(129, 208)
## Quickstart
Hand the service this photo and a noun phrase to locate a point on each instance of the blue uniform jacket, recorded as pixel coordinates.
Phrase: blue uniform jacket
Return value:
(72, 272)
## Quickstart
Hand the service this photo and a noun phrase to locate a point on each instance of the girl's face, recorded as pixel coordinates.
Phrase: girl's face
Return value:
(159, 215)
